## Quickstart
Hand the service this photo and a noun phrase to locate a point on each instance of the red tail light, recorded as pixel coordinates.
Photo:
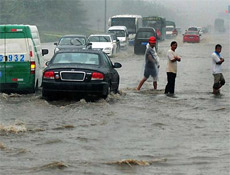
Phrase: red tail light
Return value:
(48, 75)
(32, 67)
(97, 76)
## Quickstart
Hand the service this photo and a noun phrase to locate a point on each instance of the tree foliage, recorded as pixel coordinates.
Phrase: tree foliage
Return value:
(57, 15)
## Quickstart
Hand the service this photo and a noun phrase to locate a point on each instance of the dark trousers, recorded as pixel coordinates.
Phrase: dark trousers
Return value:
(171, 83)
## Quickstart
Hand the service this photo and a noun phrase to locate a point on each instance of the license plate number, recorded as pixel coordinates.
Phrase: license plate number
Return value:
(144, 43)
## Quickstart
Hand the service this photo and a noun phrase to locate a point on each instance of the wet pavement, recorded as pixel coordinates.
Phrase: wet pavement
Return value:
(131, 133)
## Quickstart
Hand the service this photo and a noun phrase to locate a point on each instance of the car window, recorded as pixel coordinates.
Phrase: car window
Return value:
(72, 41)
(169, 29)
(77, 58)
(192, 33)
(106, 61)
(99, 39)
(144, 35)
(118, 33)
(192, 29)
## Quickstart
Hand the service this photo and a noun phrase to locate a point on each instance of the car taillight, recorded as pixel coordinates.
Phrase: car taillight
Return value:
(97, 76)
(32, 67)
(48, 75)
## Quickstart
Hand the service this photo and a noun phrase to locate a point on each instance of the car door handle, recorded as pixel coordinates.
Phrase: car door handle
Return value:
(5, 58)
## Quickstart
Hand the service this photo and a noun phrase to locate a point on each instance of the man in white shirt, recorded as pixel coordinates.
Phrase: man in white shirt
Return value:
(172, 69)
(217, 61)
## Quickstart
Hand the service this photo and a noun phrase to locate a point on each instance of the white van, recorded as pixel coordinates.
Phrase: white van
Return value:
(122, 34)
(21, 62)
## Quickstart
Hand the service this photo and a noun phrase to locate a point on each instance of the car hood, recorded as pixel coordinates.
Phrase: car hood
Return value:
(97, 45)
(121, 38)
(169, 32)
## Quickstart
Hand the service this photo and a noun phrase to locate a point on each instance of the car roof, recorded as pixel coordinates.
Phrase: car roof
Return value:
(169, 26)
(105, 34)
(70, 36)
(75, 50)
(146, 29)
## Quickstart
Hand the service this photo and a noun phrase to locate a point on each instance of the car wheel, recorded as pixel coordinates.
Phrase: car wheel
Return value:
(106, 91)
(47, 95)
(35, 88)
(135, 51)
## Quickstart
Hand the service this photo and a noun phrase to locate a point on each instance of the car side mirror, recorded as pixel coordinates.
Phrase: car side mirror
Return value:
(47, 63)
(117, 65)
(45, 51)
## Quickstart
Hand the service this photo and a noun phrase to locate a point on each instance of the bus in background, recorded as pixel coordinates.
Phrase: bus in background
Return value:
(131, 22)
(158, 23)
(219, 25)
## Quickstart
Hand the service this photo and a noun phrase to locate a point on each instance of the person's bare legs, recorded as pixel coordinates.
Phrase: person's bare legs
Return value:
(155, 85)
(141, 83)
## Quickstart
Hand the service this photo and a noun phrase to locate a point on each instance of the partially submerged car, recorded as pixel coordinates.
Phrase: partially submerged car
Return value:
(105, 42)
(191, 37)
(122, 34)
(142, 38)
(71, 42)
(80, 71)
(171, 32)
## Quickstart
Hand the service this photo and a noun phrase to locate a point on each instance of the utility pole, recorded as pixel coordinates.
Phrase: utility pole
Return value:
(105, 15)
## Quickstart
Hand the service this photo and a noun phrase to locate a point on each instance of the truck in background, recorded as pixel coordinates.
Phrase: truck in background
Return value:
(158, 23)
(219, 25)
(131, 22)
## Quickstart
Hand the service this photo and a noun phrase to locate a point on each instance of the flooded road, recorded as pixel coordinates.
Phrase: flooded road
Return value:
(185, 135)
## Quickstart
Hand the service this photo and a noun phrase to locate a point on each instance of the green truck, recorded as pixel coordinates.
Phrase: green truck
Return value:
(158, 23)
(21, 58)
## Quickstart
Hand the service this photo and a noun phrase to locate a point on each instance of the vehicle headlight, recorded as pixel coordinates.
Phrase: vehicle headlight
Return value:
(108, 48)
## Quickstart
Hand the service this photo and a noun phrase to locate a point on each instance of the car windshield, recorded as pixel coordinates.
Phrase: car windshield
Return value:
(144, 35)
(118, 33)
(192, 29)
(72, 41)
(76, 58)
(191, 33)
(99, 39)
(169, 29)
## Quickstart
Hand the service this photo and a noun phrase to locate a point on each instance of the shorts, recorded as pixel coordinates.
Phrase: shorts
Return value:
(218, 80)
(152, 72)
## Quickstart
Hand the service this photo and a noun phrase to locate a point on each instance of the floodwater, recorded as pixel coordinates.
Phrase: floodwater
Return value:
(184, 135)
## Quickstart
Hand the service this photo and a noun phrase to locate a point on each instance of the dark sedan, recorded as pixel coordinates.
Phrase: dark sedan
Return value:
(142, 38)
(71, 42)
(80, 71)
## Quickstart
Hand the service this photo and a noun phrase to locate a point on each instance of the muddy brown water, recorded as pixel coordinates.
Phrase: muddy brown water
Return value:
(190, 132)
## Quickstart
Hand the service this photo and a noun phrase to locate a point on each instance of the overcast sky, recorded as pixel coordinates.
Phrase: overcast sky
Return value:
(197, 12)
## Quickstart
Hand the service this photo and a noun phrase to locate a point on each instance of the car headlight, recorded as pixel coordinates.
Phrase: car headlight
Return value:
(108, 48)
